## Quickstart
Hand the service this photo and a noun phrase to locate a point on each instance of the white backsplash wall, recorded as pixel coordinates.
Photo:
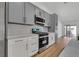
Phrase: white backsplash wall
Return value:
(14, 29)
(59, 29)
(43, 29)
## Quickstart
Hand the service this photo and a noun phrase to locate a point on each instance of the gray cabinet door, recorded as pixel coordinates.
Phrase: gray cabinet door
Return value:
(16, 12)
(54, 22)
(29, 13)
(47, 19)
(49, 23)
(38, 12)
(42, 14)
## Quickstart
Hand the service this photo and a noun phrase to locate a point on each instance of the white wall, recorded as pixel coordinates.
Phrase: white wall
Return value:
(78, 30)
(59, 28)
(15, 30)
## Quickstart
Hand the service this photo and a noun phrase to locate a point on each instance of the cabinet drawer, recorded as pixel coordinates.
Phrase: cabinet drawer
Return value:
(34, 37)
(16, 41)
(33, 41)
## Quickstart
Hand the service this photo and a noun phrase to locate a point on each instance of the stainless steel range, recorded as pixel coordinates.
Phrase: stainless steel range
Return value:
(43, 40)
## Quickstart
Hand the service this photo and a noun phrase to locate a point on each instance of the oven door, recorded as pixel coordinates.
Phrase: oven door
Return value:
(43, 42)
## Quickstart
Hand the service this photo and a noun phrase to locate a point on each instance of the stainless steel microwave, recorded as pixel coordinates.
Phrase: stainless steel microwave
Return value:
(39, 21)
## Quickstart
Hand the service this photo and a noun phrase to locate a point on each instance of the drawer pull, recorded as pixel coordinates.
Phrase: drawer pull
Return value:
(18, 40)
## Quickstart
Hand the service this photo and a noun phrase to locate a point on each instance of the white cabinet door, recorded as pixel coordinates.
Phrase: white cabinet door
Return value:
(51, 38)
(33, 46)
(16, 12)
(29, 13)
(17, 48)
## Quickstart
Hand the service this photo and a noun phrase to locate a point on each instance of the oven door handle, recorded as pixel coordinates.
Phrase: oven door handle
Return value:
(43, 36)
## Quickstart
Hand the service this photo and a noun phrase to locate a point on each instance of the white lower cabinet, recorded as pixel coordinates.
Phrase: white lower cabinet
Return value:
(51, 39)
(23, 47)
(17, 47)
(33, 46)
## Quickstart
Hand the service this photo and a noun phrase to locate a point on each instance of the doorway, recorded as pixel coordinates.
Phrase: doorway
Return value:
(70, 31)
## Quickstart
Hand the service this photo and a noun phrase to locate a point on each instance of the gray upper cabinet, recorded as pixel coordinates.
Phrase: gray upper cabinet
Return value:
(54, 22)
(38, 12)
(29, 13)
(16, 12)
(24, 12)
(47, 19)
(42, 14)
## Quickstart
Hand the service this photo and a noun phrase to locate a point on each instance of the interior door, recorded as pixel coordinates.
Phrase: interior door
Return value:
(73, 31)
(70, 31)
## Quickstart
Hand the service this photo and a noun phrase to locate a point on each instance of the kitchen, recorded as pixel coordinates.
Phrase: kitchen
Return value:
(28, 29)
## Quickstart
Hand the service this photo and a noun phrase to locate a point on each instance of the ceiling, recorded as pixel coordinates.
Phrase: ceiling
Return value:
(47, 6)
(67, 12)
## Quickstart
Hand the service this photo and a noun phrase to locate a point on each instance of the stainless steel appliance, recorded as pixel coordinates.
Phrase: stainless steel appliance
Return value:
(39, 21)
(43, 39)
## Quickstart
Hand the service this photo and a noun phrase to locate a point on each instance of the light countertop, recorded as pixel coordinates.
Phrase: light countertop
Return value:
(22, 36)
